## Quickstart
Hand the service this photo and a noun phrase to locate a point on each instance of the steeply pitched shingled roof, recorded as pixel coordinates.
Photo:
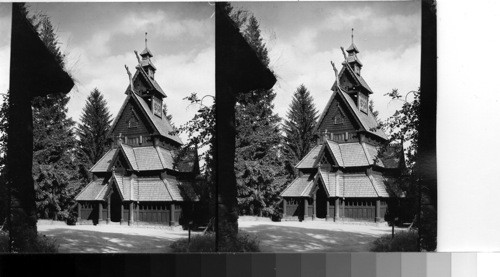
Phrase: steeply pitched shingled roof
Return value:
(104, 163)
(368, 121)
(310, 160)
(339, 185)
(352, 154)
(95, 190)
(162, 125)
(143, 158)
(140, 189)
(300, 187)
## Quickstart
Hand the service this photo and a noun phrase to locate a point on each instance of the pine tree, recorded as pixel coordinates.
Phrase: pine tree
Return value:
(259, 170)
(55, 171)
(94, 127)
(299, 125)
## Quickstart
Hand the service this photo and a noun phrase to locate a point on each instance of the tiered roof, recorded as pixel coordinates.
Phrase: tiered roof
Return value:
(353, 154)
(145, 158)
(134, 188)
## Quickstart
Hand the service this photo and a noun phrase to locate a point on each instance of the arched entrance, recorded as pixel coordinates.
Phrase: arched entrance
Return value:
(321, 199)
(116, 204)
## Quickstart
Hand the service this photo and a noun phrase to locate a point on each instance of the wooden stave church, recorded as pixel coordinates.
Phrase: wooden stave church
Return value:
(146, 171)
(345, 176)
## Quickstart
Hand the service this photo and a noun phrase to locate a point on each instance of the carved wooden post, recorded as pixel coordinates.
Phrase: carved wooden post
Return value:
(122, 220)
(131, 213)
(327, 209)
(108, 214)
(237, 70)
(172, 214)
(377, 211)
(100, 213)
(306, 208)
(284, 208)
(314, 207)
(337, 209)
(79, 218)
(34, 72)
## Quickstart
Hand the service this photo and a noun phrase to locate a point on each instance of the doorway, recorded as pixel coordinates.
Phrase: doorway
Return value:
(321, 199)
(116, 206)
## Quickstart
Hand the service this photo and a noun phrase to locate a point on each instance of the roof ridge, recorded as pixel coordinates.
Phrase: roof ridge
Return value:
(341, 156)
(92, 168)
(165, 182)
(134, 166)
(160, 156)
(103, 187)
(310, 183)
(117, 118)
(373, 184)
(324, 182)
(325, 110)
(367, 155)
(113, 174)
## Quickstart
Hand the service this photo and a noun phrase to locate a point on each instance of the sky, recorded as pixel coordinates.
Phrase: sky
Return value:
(303, 37)
(98, 39)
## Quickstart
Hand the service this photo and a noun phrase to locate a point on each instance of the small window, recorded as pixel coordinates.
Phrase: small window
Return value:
(157, 109)
(338, 119)
(133, 122)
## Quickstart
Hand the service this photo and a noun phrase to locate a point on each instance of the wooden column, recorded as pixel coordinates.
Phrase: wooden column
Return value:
(122, 220)
(284, 208)
(343, 207)
(377, 211)
(306, 207)
(108, 219)
(130, 213)
(314, 207)
(172, 214)
(337, 209)
(327, 209)
(79, 212)
(99, 208)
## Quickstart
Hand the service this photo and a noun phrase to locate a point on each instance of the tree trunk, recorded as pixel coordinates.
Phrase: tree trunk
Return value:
(226, 180)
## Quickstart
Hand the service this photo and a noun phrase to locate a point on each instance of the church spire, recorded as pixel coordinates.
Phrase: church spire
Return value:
(352, 57)
(146, 55)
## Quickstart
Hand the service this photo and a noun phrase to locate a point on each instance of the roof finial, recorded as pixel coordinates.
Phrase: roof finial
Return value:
(146, 39)
(352, 35)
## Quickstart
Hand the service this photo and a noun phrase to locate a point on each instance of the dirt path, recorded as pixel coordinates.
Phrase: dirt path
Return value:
(111, 238)
(313, 236)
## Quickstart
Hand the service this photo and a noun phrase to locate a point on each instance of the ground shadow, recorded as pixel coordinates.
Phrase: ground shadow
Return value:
(87, 241)
(296, 239)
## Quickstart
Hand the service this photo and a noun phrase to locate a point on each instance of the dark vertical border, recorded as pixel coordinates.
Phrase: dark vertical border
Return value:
(426, 165)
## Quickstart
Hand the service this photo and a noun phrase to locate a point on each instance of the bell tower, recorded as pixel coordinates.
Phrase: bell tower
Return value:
(352, 57)
(146, 62)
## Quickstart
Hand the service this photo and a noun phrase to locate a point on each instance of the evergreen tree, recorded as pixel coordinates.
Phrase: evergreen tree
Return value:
(298, 128)
(259, 169)
(55, 170)
(94, 127)
(201, 132)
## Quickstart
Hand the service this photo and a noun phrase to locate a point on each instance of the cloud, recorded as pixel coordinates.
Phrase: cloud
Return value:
(178, 75)
(383, 70)
(368, 21)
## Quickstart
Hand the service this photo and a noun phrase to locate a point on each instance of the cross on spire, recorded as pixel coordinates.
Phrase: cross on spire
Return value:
(352, 35)
(146, 39)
